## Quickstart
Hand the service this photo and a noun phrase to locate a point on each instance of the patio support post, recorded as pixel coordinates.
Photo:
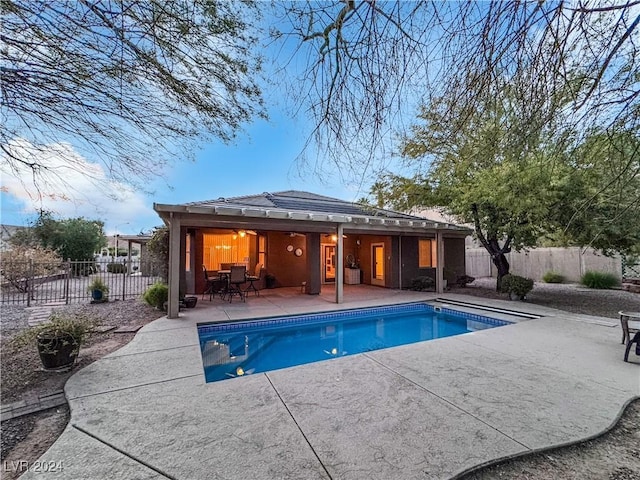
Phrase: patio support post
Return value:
(439, 263)
(173, 306)
(339, 264)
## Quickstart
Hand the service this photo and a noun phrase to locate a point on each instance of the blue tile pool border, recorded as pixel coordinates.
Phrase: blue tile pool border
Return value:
(414, 307)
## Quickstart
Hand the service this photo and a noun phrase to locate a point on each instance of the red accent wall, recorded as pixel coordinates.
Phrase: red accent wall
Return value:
(289, 270)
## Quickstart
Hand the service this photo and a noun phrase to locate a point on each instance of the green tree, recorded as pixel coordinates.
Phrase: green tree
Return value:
(74, 238)
(119, 80)
(604, 207)
(158, 248)
(515, 190)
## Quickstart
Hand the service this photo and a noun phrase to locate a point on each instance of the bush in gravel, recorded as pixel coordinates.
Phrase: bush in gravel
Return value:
(516, 285)
(601, 280)
(157, 295)
(552, 277)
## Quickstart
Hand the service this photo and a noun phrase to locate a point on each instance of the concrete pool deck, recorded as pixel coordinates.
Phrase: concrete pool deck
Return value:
(426, 410)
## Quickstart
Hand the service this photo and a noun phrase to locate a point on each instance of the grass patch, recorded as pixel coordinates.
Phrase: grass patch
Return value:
(552, 277)
(599, 280)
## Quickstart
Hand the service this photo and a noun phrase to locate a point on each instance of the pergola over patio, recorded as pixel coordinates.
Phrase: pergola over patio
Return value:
(311, 216)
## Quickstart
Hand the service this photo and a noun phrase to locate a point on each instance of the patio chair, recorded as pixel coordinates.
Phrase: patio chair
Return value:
(636, 340)
(237, 278)
(628, 330)
(257, 274)
(209, 284)
(214, 284)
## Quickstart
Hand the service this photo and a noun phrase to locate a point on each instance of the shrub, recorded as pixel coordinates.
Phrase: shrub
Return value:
(517, 285)
(116, 268)
(421, 283)
(157, 295)
(552, 277)
(602, 280)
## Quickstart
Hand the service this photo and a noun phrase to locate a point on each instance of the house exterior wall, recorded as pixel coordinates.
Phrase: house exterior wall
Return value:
(289, 270)
(365, 258)
(410, 269)
(454, 260)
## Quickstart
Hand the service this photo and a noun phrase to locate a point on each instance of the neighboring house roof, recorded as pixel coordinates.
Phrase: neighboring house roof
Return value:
(298, 206)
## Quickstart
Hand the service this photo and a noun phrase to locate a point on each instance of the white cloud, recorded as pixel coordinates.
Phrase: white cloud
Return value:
(70, 186)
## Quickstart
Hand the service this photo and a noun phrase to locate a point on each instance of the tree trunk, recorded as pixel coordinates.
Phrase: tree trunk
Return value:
(501, 263)
(492, 245)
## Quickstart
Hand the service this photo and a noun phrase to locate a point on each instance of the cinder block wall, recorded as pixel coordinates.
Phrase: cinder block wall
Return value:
(570, 262)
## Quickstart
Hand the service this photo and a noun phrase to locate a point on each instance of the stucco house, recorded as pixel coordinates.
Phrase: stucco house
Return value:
(307, 240)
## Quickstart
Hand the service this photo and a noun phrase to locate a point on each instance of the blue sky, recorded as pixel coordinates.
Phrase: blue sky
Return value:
(261, 159)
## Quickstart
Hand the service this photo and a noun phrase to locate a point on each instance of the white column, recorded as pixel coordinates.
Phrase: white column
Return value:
(340, 265)
(440, 264)
(174, 267)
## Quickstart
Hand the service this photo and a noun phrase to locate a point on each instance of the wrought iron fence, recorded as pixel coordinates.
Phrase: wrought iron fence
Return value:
(630, 267)
(32, 283)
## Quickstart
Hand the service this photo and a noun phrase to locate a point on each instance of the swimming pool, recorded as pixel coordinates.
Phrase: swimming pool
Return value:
(241, 348)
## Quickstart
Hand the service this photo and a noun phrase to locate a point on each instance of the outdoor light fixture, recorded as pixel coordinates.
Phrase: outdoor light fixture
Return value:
(242, 233)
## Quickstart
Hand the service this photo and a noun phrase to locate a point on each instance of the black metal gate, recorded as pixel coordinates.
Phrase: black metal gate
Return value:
(31, 283)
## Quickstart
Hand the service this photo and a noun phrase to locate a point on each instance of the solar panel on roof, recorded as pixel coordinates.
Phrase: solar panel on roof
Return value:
(303, 201)
(332, 207)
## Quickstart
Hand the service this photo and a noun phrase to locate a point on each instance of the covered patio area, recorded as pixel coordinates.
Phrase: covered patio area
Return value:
(308, 241)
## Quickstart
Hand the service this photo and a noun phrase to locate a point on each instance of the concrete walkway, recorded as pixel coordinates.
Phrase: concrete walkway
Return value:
(427, 410)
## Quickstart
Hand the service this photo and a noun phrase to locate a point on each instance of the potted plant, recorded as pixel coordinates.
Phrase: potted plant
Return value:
(98, 290)
(270, 280)
(58, 340)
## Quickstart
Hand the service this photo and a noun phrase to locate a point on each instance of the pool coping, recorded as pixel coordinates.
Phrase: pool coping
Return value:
(139, 385)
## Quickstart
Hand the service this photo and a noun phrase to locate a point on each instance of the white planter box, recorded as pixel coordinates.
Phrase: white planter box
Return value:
(352, 276)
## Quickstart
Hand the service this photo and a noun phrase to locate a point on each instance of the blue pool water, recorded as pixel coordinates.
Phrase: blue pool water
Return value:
(240, 348)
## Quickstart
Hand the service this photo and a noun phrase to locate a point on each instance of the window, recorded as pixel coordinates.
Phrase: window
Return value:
(427, 254)
(187, 243)
(225, 248)
(262, 250)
